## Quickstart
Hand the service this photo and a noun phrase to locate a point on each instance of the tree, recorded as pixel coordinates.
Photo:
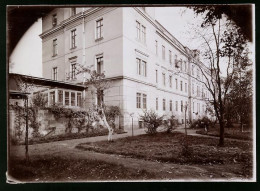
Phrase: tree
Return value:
(223, 46)
(99, 82)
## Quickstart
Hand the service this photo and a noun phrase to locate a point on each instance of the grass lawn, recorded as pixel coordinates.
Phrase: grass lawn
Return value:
(52, 169)
(168, 147)
(233, 133)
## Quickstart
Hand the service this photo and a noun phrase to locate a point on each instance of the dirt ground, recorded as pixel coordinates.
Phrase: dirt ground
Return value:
(121, 167)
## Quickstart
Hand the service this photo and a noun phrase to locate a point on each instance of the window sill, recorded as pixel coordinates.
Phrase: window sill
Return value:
(99, 39)
(72, 48)
(54, 55)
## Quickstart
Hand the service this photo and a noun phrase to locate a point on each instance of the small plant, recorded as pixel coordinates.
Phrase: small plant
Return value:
(151, 121)
(171, 123)
(111, 113)
(202, 123)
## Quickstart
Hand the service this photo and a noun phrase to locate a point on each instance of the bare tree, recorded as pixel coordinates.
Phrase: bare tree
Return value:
(222, 47)
(100, 84)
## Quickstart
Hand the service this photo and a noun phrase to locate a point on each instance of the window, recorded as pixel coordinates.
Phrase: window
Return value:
(192, 88)
(156, 76)
(55, 47)
(170, 81)
(79, 104)
(99, 64)
(170, 105)
(176, 105)
(192, 70)
(138, 100)
(73, 11)
(170, 57)
(100, 97)
(73, 97)
(181, 106)
(193, 107)
(141, 67)
(73, 38)
(138, 30)
(141, 100)
(156, 47)
(52, 98)
(176, 62)
(176, 83)
(181, 85)
(157, 103)
(99, 28)
(185, 87)
(163, 52)
(60, 97)
(73, 71)
(67, 98)
(163, 78)
(55, 73)
(164, 105)
(198, 73)
(144, 101)
(143, 34)
(198, 91)
(54, 20)
(181, 64)
(140, 124)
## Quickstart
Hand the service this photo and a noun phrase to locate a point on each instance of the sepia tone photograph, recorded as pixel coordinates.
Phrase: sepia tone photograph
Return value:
(131, 93)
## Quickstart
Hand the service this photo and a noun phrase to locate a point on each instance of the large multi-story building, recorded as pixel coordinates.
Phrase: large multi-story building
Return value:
(148, 67)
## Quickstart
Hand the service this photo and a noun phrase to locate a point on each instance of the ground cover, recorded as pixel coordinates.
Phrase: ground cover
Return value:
(235, 156)
(234, 132)
(56, 169)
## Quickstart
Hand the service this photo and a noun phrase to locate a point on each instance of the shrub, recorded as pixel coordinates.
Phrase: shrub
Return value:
(201, 123)
(171, 124)
(111, 113)
(151, 121)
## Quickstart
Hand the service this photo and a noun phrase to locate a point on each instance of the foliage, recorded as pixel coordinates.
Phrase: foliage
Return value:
(111, 113)
(171, 123)
(205, 122)
(151, 120)
(73, 116)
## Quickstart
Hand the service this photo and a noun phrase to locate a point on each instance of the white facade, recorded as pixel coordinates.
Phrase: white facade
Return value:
(138, 54)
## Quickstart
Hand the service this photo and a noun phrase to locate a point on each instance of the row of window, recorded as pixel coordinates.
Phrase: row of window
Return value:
(203, 93)
(73, 34)
(55, 20)
(170, 81)
(178, 63)
(141, 103)
(140, 32)
(73, 69)
(67, 98)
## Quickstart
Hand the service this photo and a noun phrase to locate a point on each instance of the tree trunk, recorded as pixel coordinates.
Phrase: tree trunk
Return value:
(221, 132)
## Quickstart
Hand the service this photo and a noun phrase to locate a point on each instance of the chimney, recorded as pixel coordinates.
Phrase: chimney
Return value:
(196, 54)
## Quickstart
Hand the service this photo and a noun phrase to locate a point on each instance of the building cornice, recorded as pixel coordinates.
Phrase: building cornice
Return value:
(70, 20)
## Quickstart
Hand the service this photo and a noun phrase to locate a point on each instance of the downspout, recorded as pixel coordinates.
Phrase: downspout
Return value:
(83, 51)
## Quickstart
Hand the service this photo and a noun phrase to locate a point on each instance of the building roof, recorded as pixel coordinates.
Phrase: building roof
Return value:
(13, 87)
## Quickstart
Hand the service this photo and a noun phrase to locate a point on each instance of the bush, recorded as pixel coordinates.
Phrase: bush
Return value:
(171, 124)
(201, 123)
(151, 121)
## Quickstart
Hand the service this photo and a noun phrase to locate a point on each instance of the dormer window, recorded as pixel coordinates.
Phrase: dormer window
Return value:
(54, 20)
(73, 11)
